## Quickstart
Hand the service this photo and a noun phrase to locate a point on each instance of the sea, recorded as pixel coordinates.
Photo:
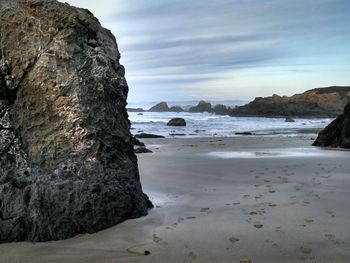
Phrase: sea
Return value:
(212, 125)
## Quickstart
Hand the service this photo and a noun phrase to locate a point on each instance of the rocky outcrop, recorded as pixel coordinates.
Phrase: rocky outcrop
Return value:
(221, 109)
(202, 106)
(160, 107)
(135, 110)
(322, 102)
(337, 133)
(177, 122)
(67, 163)
(163, 107)
(176, 109)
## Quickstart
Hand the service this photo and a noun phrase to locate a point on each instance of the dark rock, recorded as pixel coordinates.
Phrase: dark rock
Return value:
(337, 133)
(177, 122)
(135, 110)
(322, 102)
(137, 142)
(176, 109)
(160, 107)
(244, 133)
(289, 119)
(140, 113)
(142, 149)
(67, 163)
(148, 135)
(202, 106)
(221, 109)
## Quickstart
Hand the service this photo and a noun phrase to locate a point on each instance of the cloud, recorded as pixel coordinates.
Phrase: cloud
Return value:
(197, 45)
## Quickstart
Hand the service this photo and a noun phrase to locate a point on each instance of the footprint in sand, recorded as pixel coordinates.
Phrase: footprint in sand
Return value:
(159, 240)
(233, 239)
(258, 226)
(330, 237)
(306, 250)
(204, 209)
(309, 220)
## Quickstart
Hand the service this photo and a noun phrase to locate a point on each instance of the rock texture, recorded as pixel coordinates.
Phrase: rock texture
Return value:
(67, 164)
(337, 133)
(177, 122)
(322, 102)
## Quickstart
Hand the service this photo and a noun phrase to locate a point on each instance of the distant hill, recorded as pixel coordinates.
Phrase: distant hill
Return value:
(319, 102)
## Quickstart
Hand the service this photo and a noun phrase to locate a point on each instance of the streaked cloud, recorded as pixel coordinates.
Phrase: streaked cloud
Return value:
(229, 48)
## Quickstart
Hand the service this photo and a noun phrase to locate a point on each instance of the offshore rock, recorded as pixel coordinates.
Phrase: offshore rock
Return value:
(67, 163)
(321, 102)
(202, 106)
(176, 122)
(337, 133)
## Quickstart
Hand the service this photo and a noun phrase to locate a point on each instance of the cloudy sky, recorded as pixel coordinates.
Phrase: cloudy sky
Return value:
(227, 49)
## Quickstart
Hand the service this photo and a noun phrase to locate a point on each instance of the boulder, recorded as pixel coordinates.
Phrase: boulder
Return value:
(202, 106)
(142, 149)
(337, 133)
(289, 119)
(160, 107)
(177, 122)
(67, 163)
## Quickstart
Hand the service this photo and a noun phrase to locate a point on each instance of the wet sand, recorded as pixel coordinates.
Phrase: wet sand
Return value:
(243, 199)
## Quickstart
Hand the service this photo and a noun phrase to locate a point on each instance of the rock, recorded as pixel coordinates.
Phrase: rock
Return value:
(322, 102)
(137, 142)
(67, 163)
(140, 113)
(160, 107)
(177, 122)
(135, 110)
(176, 109)
(289, 119)
(244, 133)
(221, 109)
(142, 149)
(202, 106)
(337, 133)
(148, 135)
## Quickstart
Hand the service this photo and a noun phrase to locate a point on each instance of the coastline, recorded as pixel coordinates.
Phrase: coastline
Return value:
(268, 199)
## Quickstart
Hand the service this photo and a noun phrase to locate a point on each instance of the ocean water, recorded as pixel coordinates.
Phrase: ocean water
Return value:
(209, 125)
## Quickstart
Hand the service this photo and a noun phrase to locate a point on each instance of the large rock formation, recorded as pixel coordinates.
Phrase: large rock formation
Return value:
(67, 164)
(322, 102)
(160, 107)
(337, 133)
(163, 107)
(202, 106)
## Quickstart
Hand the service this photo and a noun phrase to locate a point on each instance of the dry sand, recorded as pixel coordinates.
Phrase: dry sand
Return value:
(241, 199)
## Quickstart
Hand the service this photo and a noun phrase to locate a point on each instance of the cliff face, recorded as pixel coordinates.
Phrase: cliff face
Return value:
(67, 164)
(337, 133)
(322, 102)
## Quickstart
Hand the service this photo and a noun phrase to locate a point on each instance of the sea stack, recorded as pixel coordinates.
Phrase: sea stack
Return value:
(67, 164)
(337, 133)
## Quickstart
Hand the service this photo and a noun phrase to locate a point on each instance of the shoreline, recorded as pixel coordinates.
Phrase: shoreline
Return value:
(211, 209)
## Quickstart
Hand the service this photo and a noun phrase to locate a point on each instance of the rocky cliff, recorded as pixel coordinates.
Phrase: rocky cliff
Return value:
(337, 133)
(321, 102)
(67, 164)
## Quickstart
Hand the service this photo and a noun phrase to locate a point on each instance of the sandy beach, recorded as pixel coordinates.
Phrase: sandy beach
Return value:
(246, 199)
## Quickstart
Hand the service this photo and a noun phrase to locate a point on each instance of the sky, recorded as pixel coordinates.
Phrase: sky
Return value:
(177, 50)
